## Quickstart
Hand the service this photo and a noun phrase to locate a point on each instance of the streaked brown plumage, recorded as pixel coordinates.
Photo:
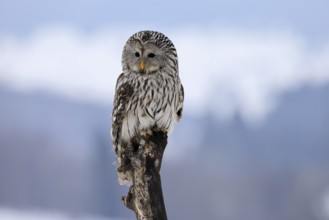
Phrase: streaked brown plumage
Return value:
(148, 93)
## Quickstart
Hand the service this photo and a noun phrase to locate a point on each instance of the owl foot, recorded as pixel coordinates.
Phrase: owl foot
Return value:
(146, 133)
(160, 130)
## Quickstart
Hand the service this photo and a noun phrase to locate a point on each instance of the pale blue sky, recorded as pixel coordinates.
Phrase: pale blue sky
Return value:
(308, 17)
(247, 52)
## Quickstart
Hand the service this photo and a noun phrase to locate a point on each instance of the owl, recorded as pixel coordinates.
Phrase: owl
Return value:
(149, 94)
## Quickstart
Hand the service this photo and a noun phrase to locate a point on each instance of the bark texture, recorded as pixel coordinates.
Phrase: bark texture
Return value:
(145, 196)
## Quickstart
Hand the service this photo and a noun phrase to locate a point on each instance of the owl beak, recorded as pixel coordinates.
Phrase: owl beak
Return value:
(142, 65)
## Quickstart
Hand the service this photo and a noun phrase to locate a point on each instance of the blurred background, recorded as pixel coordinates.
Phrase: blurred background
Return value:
(254, 139)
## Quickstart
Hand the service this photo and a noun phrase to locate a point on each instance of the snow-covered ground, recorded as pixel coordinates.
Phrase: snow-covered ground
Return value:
(15, 214)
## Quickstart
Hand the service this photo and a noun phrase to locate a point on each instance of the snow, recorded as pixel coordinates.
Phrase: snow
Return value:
(224, 71)
(15, 214)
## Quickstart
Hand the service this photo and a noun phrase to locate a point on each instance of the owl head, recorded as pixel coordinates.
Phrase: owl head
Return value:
(147, 52)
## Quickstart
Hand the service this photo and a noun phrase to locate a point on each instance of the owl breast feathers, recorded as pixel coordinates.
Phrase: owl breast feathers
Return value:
(148, 93)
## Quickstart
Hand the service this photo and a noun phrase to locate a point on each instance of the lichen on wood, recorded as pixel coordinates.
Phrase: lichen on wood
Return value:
(145, 196)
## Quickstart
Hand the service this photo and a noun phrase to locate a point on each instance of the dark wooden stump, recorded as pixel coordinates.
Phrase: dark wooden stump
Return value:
(145, 196)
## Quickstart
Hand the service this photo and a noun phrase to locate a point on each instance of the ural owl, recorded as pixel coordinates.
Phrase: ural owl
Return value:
(149, 94)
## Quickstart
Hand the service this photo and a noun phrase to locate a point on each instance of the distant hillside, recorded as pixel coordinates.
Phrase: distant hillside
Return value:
(56, 154)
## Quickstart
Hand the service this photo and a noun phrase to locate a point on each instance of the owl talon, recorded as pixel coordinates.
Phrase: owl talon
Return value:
(162, 130)
(146, 134)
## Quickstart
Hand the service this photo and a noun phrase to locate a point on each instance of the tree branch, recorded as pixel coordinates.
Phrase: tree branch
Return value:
(145, 196)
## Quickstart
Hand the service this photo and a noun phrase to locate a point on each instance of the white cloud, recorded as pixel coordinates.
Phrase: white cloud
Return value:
(240, 71)
(224, 71)
(63, 61)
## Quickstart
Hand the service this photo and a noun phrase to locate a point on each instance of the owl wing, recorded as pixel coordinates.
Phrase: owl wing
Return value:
(179, 112)
(123, 93)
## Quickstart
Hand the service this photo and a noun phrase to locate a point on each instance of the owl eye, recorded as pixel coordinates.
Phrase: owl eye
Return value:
(137, 54)
(151, 55)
